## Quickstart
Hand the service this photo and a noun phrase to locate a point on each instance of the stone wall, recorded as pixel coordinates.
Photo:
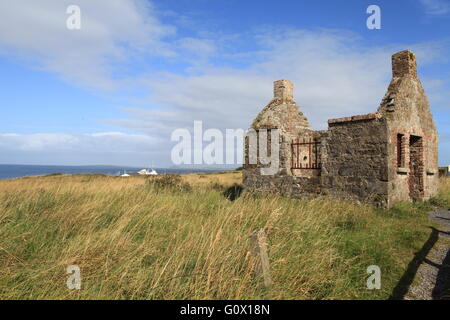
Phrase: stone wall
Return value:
(355, 159)
(284, 115)
(406, 108)
(380, 158)
(286, 185)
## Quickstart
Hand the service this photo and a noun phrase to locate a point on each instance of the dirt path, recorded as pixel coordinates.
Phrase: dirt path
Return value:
(431, 279)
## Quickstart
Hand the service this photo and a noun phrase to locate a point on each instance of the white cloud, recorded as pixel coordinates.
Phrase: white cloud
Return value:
(112, 32)
(82, 149)
(436, 7)
(334, 75)
(197, 47)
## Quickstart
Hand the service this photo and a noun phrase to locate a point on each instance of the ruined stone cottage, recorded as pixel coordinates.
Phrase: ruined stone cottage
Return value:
(380, 158)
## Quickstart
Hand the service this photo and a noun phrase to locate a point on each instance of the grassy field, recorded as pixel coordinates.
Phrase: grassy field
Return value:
(139, 238)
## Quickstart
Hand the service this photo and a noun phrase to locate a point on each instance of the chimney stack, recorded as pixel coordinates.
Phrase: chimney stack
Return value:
(283, 89)
(404, 63)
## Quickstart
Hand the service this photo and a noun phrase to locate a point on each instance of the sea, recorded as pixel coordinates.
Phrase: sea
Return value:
(9, 171)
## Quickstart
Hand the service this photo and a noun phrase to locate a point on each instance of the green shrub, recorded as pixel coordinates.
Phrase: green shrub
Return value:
(168, 182)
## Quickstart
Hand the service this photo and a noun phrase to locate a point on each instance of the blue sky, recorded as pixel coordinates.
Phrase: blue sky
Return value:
(113, 91)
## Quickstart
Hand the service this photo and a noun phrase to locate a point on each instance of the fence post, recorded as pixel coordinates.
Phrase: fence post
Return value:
(258, 243)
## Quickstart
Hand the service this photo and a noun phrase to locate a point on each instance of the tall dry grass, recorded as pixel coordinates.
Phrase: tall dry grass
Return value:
(132, 240)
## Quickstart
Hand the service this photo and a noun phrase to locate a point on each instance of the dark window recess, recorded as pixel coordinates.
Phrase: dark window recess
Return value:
(400, 151)
(416, 167)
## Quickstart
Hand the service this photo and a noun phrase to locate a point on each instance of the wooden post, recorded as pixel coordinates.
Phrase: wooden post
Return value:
(258, 242)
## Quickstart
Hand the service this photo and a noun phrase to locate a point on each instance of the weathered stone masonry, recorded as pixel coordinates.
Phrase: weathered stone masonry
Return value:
(382, 158)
